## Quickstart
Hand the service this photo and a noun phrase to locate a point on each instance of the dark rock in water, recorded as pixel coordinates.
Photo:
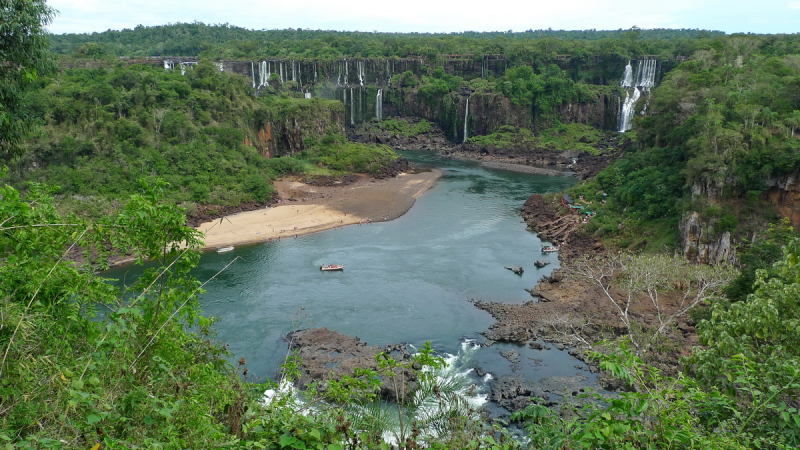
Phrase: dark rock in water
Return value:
(488, 343)
(325, 354)
(536, 345)
(541, 263)
(516, 270)
(515, 393)
(479, 372)
(511, 355)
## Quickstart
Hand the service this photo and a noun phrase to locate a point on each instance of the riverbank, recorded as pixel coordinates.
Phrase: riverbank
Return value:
(306, 209)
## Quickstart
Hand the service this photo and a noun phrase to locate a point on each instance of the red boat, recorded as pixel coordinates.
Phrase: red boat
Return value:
(326, 267)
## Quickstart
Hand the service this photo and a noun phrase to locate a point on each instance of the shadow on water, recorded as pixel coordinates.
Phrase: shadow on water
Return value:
(408, 280)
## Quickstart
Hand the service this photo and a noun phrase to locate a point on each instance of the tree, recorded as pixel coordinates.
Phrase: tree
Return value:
(24, 55)
(625, 278)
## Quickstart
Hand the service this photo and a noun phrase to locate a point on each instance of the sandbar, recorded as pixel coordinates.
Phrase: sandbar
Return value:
(308, 209)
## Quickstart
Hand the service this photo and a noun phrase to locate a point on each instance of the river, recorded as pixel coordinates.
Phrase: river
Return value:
(407, 280)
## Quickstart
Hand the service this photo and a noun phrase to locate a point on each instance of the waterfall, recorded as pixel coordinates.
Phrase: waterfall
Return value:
(264, 74)
(379, 105)
(634, 86)
(627, 76)
(253, 73)
(168, 65)
(626, 114)
(294, 74)
(646, 73)
(307, 94)
(360, 65)
(352, 122)
(280, 69)
(466, 115)
(345, 73)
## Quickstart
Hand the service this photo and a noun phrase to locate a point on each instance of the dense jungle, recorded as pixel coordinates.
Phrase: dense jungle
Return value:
(686, 144)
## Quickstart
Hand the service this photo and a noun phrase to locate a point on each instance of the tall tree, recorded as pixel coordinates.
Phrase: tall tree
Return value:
(24, 55)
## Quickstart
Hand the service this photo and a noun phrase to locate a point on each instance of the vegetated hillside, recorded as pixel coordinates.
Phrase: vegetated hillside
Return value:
(203, 132)
(718, 152)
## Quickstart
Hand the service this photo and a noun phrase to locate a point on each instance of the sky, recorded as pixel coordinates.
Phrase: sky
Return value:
(433, 16)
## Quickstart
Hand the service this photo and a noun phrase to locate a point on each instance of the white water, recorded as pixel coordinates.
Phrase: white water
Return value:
(644, 79)
(253, 73)
(345, 72)
(360, 65)
(379, 105)
(626, 114)
(352, 121)
(466, 115)
(294, 73)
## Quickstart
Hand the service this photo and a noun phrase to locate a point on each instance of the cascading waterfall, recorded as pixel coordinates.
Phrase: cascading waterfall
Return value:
(634, 86)
(252, 73)
(168, 65)
(294, 74)
(352, 121)
(379, 105)
(466, 115)
(280, 69)
(360, 65)
(345, 73)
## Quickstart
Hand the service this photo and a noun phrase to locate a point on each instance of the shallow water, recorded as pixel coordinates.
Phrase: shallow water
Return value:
(408, 280)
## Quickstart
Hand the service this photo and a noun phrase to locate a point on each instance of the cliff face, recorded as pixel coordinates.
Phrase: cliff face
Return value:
(359, 83)
(289, 132)
(702, 244)
(784, 194)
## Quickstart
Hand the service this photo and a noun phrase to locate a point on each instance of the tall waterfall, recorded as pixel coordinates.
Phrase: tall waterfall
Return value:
(294, 74)
(253, 73)
(466, 115)
(280, 69)
(379, 105)
(627, 76)
(345, 72)
(352, 121)
(634, 86)
(360, 65)
(264, 74)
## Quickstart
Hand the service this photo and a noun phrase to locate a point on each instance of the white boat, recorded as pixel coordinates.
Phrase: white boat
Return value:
(327, 267)
(552, 248)
(224, 249)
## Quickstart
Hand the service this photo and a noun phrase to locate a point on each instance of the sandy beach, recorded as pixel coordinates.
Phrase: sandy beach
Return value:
(307, 209)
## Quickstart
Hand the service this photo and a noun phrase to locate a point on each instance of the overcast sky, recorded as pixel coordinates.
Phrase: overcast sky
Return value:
(731, 16)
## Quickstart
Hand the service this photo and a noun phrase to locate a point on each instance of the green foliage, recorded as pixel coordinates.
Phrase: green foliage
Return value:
(25, 55)
(405, 127)
(132, 376)
(752, 353)
(341, 156)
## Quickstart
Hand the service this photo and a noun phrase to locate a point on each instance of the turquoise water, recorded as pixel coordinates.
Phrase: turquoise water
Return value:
(407, 280)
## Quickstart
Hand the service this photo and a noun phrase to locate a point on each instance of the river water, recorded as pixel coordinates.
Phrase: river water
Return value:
(407, 280)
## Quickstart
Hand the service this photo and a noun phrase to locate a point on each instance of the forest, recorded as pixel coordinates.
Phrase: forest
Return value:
(106, 153)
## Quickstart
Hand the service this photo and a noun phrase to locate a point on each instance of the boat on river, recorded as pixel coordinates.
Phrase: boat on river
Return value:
(552, 248)
(224, 249)
(329, 267)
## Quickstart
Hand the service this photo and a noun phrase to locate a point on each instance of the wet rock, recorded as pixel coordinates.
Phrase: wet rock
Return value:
(515, 393)
(511, 355)
(536, 345)
(325, 354)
